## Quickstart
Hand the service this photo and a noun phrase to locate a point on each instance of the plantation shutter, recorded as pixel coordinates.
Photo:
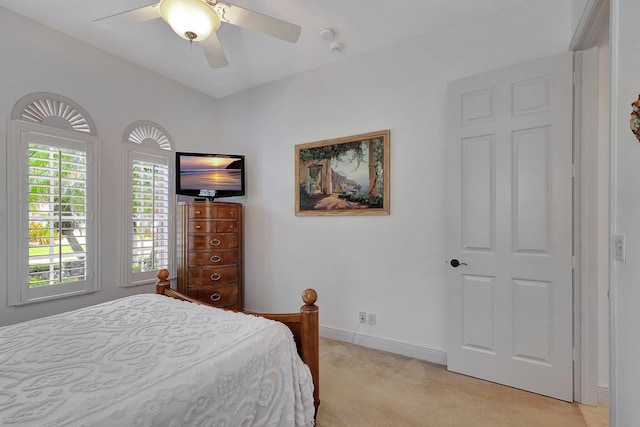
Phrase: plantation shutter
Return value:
(150, 216)
(57, 215)
(51, 210)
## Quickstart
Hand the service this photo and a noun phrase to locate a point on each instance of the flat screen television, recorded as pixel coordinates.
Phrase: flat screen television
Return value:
(209, 175)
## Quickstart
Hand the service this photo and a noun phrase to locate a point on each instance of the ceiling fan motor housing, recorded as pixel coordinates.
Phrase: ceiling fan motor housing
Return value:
(193, 20)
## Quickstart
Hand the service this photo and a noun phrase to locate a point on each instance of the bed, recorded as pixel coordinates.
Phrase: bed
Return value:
(149, 360)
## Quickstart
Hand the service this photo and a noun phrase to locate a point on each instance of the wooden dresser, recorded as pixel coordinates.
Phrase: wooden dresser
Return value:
(209, 251)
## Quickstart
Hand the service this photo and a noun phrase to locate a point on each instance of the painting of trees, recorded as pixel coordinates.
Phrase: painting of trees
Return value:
(345, 176)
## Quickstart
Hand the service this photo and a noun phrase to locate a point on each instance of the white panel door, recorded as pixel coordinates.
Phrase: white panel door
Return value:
(510, 226)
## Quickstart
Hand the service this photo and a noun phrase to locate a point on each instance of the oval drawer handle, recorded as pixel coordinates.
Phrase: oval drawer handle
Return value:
(198, 212)
(215, 242)
(197, 226)
(216, 276)
(215, 258)
(215, 297)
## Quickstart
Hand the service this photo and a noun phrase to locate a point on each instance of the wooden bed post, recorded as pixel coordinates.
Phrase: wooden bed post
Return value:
(310, 346)
(162, 283)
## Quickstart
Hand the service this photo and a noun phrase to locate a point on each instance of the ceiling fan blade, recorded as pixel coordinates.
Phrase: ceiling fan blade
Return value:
(134, 16)
(213, 51)
(258, 22)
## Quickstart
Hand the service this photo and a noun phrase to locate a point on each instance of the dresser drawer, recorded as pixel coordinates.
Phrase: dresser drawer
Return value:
(226, 296)
(212, 241)
(212, 276)
(226, 212)
(211, 258)
(202, 226)
(201, 211)
(227, 226)
(209, 211)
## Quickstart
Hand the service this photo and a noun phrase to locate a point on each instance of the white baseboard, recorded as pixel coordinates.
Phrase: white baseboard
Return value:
(409, 350)
(603, 395)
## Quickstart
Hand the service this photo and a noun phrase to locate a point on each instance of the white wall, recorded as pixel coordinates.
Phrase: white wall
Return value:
(115, 93)
(625, 290)
(393, 266)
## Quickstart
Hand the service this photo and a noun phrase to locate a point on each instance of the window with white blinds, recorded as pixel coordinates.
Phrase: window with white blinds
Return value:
(150, 213)
(54, 232)
(57, 215)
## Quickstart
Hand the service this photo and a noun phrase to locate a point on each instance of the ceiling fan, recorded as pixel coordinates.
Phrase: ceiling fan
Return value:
(198, 20)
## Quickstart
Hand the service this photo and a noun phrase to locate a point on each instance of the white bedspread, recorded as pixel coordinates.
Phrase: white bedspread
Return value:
(150, 360)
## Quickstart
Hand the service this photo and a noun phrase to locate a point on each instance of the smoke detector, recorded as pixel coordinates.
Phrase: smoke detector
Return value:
(326, 33)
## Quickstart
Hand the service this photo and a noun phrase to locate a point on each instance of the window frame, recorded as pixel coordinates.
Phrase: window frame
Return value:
(20, 134)
(134, 152)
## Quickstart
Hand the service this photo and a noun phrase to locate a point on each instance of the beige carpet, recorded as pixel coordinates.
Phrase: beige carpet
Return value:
(365, 387)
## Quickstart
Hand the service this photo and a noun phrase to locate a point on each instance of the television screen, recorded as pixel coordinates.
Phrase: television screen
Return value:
(209, 175)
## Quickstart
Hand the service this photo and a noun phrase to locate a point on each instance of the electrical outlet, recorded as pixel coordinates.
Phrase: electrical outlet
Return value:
(363, 317)
(372, 318)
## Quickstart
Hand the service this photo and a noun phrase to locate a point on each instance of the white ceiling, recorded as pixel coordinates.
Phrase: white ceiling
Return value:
(254, 59)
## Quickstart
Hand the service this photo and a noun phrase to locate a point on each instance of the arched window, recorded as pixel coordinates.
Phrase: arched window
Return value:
(149, 212)
(51, 146)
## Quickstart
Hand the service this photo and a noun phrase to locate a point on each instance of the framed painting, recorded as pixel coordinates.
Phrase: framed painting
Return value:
(343, 176)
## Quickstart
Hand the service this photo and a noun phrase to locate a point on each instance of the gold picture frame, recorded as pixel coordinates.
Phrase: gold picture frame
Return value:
(343, 176)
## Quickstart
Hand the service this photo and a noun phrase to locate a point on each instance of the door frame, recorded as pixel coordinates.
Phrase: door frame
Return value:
(589, 248)
(586, 223)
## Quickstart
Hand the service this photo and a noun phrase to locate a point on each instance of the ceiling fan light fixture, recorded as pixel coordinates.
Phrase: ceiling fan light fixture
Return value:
(193, 20)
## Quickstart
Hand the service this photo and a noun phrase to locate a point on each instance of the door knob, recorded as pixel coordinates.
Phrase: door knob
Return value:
(454, 263)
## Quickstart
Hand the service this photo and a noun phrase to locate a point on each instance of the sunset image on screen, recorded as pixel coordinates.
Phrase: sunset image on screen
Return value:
(202, 173)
